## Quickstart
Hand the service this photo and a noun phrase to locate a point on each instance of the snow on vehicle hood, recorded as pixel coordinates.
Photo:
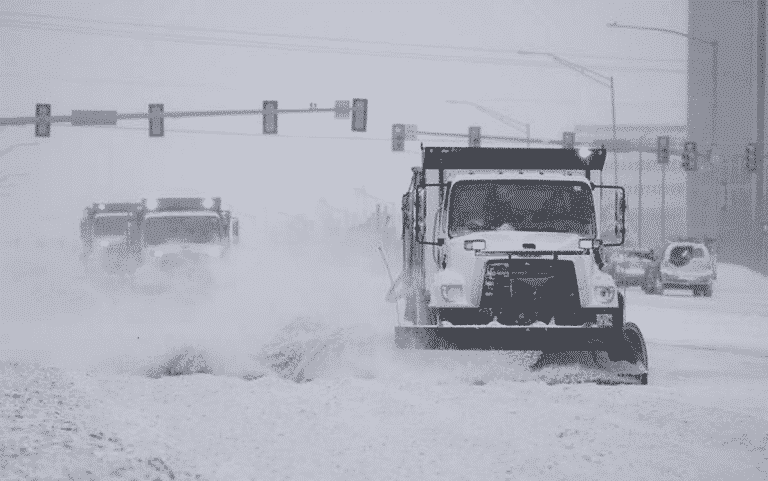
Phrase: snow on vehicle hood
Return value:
(212, 250)
(514, 240)
(109, 240)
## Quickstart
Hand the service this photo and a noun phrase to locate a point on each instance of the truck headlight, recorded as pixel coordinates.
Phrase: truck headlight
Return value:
(104, 243)
(474, 245)
(451, 293)
(605, 294)
(157, 253)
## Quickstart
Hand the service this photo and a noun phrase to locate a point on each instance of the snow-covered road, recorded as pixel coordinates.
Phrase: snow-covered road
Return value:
(90, 411)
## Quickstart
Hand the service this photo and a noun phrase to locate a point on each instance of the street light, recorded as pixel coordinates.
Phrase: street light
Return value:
(602, 80)
(520, 126)
(711, 43)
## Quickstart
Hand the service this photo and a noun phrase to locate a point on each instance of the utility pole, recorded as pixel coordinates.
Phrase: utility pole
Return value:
(640, 201)
(760, 244)
(663, 204)
(613, 115)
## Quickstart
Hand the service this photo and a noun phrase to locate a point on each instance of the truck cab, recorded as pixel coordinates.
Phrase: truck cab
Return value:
(179, 230)
(485, 217)
(110, 233)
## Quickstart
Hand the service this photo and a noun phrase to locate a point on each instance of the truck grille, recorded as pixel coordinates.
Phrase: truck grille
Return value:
(542, 288)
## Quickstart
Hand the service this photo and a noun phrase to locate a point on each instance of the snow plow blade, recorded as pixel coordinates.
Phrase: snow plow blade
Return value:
(512, 338)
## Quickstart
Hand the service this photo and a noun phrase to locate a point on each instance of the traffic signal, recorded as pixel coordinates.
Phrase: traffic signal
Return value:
(751, 155)
(662, 150)
(398, 137)
(359, 115)
(569, 140)
(43, 125)
(474, 136)
(341, 110)
(156, 120)
(270, 117)
(689, 156)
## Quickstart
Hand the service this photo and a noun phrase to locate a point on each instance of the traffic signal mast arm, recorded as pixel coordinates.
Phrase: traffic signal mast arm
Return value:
(43, 119)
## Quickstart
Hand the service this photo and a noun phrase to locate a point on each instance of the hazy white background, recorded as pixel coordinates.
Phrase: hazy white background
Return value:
(82, 65)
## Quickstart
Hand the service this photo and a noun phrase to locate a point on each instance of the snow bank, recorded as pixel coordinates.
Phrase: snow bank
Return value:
(214, 427)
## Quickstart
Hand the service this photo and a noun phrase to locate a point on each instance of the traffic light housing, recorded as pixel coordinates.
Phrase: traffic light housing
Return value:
(398, 137)
(569, 140)
(474, 136)
(751, 157)
(689, 161)
(156, 120)
(662, 149)
(270, 117)
(43, 125)
(359, 115)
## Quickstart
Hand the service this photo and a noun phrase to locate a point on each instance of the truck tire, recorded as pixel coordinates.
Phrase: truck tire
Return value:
(658, 285)
(698, 291)
(646, 286)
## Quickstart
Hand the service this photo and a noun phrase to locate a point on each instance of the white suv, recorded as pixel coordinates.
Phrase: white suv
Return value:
(682, 265)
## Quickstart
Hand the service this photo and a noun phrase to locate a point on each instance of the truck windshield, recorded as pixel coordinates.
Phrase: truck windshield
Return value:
(521, 205)
(196, 230)
(111, 225)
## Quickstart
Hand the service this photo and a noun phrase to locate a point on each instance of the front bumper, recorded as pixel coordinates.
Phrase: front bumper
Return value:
(686, 281)
(507, 338)
(629, 279)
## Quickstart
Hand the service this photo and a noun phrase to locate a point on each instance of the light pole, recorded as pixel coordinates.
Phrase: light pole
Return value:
(711, 43)
(602, 80)
(640, 197)
(760, 194)
(520, 126)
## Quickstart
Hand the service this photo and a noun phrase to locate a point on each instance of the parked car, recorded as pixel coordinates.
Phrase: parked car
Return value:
(707, 241)
(682, 265)
(628, 266)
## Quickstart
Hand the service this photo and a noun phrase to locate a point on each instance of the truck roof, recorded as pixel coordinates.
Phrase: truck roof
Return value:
(175, 204)
(517, 175)
(117, 207)
(183, 213)
(547, 159)
(113, 214)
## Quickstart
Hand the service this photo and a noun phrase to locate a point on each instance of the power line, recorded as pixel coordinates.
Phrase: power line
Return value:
(310, 37)
(201, 40)
(229, 133)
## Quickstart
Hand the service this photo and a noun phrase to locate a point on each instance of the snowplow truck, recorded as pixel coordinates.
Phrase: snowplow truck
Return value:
(501, 252)
(176, 230)
(110, 234)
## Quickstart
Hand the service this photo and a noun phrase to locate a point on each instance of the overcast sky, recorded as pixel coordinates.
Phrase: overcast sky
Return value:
(406, 57)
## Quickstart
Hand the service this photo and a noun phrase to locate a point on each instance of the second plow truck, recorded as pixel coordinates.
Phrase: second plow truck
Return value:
(179, 232)
(500, 252)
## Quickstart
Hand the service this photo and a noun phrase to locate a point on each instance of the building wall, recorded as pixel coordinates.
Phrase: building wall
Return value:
(720, 196)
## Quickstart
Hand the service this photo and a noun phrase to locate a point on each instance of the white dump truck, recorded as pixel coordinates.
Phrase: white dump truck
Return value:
(501, 252)
(178, 230)
(110, 233)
